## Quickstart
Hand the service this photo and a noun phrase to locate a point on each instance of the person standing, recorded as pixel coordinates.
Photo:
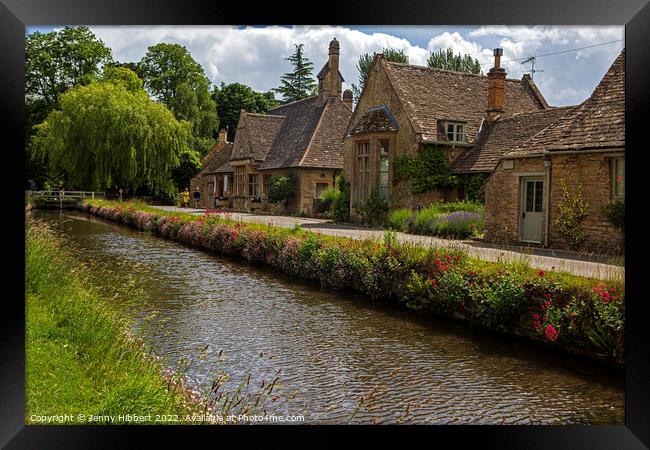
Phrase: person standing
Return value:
(186, 197)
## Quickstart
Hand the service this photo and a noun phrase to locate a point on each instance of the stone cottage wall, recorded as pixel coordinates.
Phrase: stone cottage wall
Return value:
(592, 171)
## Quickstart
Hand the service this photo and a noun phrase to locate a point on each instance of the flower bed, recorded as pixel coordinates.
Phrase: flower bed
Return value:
(453, 220)
(553, 307)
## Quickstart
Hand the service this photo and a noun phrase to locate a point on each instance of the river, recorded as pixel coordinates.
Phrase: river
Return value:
(342, 358)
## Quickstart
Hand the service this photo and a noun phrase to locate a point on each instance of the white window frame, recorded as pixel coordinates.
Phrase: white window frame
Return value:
(458, 136)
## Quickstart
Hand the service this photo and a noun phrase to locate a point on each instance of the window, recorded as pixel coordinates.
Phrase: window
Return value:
(226, 191)
(253, 187)
(211, 187)
(455, 132)
(383, 166)
(320, 188)
(239, 180)
(618, 178)
(363, 170)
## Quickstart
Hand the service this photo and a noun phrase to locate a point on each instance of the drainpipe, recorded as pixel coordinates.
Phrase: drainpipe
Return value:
(547, 167)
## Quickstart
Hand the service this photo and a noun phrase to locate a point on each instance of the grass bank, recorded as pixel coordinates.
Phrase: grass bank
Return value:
(575, 314)
(82, 361)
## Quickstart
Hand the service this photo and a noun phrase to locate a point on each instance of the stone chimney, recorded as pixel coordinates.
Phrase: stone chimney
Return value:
(347, 98)
(496, 87)
(223, 136)
(330, 83)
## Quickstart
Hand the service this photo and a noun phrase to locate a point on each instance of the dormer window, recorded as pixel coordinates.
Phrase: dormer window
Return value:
(455, 132)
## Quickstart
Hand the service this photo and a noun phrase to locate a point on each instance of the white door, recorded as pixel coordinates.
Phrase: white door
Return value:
(531, 210)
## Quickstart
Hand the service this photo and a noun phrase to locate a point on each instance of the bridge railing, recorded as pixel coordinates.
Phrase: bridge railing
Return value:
(65, 195)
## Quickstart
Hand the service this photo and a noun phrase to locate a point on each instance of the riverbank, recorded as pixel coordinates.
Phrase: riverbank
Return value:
(83, 364)
(574, 314)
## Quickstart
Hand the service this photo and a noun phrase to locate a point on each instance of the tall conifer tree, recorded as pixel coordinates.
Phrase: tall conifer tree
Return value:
(300, 82)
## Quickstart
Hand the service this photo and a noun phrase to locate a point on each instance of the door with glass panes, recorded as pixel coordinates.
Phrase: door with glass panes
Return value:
(531, 210)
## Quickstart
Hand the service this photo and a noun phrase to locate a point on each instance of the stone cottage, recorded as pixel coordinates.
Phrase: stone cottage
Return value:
(212, 180)
(413, 113)
(303, 139)
(534, 154)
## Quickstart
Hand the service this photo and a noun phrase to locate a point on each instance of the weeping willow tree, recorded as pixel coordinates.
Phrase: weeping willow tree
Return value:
(107, 137)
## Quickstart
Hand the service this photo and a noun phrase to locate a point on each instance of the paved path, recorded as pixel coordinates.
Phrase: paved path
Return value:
(569, 264)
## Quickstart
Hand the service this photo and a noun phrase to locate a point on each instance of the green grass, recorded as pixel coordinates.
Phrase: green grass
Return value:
(80, 357)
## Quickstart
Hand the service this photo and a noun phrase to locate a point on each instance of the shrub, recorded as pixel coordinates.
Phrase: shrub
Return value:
(374, 211)
(572, 210)
(496, 300)
(282, 188)
(340, 209)
(425, 221)
(460, 224)
(615, 213)
(400, 219)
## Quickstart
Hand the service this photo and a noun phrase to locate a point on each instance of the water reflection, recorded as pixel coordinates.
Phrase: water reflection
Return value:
(344, 358)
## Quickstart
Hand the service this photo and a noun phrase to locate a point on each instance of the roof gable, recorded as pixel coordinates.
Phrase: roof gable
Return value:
(375, 119)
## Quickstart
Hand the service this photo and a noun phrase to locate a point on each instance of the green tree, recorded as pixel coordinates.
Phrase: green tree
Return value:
(55, 62)
(189, 165)
(282, 188)
(365, 64)
(194, 104)
(106, 137)
(165, 67)
(59, 60)
(172, 76)
(445, 59)
(232, 98)
(122, 76)
(300, 82)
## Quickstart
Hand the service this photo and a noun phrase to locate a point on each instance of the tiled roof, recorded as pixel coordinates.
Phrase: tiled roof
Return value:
(311, 134)
(218, 155)
(224, 166)
(375, 119)
(498, 137)
(432, 95)
(255, 138)
(599, 122)
(326, 147)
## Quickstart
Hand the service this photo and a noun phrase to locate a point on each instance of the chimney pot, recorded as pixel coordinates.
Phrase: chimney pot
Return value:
(497, 57)
(223, 136)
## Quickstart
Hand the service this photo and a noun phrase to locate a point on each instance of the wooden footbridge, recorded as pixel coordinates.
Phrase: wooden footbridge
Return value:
(61, 198)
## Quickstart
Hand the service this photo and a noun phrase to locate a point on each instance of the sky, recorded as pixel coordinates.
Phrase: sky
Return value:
(255, 55)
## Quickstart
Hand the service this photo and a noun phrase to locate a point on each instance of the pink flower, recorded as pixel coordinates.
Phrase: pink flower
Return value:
(551, 333)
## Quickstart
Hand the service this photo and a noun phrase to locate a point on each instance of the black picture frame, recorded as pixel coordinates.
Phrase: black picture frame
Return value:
(634, 14)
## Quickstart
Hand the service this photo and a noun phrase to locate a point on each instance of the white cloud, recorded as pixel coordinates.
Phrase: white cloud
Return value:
(252, 55)
(255, 55)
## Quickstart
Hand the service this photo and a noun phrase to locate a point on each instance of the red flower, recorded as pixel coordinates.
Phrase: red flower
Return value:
(540, 273)
(551, 333)
(536, 316)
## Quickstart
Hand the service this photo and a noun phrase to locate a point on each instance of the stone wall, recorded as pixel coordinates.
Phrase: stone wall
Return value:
(592, 171)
